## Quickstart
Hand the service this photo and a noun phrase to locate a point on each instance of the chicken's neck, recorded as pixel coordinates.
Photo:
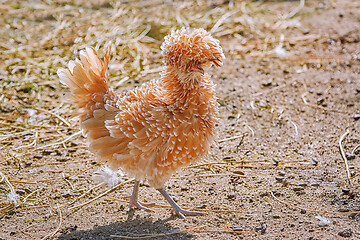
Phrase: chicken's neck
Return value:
(187, 88)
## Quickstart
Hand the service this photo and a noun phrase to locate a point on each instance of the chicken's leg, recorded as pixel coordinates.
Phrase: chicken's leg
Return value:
(133, 202)
(178, 210)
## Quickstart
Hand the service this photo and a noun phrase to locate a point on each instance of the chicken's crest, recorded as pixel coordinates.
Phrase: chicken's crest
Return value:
(186, 48)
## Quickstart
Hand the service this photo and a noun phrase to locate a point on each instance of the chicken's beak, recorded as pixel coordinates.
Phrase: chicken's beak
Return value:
(197, 68)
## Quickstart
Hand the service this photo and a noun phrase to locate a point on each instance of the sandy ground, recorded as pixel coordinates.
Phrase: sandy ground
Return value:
(285, 104)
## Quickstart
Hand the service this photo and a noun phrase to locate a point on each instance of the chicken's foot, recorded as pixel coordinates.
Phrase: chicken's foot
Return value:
(133, 201)
(178, 210)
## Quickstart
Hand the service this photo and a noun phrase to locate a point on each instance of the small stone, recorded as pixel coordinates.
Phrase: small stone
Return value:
(231, 196)
(357, 151)
(320, 101)
(261, 228)
(203, 206)
(298, 188)
(356, 117)
(239, 172)
(61, 159)
(350, 156)
(345, 191)
(236, 229)
(28, 164)
(302, 211)
(282, 173)
(343, 210)
(352, 215)
(38, 156)
(58, 152)
(314, 162)
(276, 216)
(47, 152)
(267, 83)
(345, 233)
(184, 189)
(279, 179)
(306, 31)
(66, 195)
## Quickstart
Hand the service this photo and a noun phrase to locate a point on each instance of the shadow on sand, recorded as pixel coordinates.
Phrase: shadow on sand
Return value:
(131, 229)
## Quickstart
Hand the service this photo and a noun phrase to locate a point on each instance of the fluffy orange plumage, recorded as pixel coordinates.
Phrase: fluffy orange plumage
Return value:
(153, 130)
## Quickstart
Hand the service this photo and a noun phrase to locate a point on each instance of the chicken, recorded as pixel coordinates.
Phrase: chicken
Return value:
(155, 129)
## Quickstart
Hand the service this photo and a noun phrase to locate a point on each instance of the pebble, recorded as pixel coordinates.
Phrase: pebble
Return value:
(298, 188)
(279, 179)
(314, 162)
(61, 159)
(350, 156)
(320, 101)
(203, 206)
(66, 195)
(345, 233)
(38, 156)
(28, 164)
(184, 189)
(343, 210)
(236, 229)
(238, 172)
(356, 117)
(231, 196)
(58, 152)
(302, 211)
(267, 83)
(345, 191)
(282, 173)
(47, 152)
(357, 151)
(306, 31)
(261, 228)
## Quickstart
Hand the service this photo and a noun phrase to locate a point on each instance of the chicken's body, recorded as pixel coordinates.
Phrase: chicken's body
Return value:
(153, 130)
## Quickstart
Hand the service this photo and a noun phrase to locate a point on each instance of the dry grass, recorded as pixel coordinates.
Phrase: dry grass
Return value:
(38, 37)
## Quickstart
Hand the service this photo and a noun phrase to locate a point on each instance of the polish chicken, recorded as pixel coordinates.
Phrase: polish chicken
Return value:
(159, 127)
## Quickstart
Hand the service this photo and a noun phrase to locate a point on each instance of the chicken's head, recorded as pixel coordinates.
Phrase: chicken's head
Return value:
(191, 50)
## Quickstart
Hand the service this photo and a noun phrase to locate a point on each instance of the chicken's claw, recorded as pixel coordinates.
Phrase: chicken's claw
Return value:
(178, 210)
(133, 200)
(140, 206)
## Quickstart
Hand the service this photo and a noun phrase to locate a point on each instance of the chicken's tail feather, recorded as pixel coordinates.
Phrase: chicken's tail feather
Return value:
(86, 77)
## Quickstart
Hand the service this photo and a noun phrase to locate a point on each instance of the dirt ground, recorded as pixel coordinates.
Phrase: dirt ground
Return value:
(289, 95)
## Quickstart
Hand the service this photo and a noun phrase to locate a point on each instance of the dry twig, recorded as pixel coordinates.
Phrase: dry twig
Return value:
(102, 194)
(342, 152)
(50, 235)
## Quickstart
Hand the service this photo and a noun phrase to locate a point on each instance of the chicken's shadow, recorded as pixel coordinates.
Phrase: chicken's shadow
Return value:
(133, 228)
